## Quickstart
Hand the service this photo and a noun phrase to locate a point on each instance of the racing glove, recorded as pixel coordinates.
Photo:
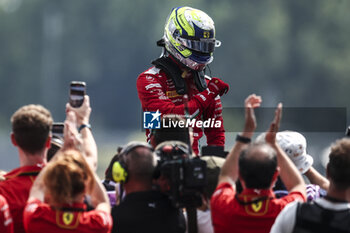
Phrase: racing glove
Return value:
(215, 87)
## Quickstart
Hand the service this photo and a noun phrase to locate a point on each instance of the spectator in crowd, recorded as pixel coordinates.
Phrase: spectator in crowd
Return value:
(31, 126)
(56, 200)
(328, 214)
(108, 182)
(110, 185)
(143, 209)
(188, 45)
(6, 222)
(294, 145)
(257, 167)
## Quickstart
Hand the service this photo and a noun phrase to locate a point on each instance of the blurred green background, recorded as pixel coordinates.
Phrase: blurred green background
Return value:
(291, 51)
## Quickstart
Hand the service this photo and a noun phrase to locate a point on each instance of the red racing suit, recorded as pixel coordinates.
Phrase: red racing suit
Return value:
(157, 92)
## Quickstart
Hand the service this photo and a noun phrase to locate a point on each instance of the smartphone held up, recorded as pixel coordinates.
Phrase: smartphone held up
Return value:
(57, 129)
(77, 93)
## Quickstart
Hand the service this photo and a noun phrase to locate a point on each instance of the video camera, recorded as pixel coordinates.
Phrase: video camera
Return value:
(186, 175)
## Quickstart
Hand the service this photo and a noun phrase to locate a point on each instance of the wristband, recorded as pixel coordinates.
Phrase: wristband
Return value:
(84, 126)
(242, 139)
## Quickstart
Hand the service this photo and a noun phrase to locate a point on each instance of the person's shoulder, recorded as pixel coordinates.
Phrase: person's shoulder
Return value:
(291, 197)
(33, 205)
(36, 210)
(285, 221)
(223, 194)
(151, 72)
(151, 78)
(99, 219)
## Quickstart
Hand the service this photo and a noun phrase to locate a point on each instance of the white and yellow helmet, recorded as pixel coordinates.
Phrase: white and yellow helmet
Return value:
(189, 36)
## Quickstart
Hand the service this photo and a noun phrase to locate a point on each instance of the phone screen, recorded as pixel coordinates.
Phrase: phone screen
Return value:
(77, 92)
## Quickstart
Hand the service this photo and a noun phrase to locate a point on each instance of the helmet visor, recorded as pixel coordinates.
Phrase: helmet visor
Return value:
(203, 45)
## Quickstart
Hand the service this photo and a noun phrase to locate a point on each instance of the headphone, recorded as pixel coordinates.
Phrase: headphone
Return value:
(120, 168)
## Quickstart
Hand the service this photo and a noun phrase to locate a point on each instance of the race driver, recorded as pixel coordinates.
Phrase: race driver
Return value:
(188, 45)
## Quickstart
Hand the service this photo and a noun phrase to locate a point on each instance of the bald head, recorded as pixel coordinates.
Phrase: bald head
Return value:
(141, 164)
(257, 165)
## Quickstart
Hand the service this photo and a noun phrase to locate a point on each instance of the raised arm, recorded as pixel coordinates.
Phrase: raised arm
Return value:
(229, 171)
(316, 178)
(99, 197)
(288, 172)
(82, 119)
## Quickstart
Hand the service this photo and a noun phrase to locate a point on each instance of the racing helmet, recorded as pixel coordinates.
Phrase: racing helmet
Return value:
(189, 36)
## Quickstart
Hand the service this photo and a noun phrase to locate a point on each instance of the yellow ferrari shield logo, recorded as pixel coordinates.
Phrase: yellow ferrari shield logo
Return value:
(257, 206)
(67, 218)
(206, 34)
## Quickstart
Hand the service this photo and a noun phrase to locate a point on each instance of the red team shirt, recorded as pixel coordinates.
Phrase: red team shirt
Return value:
(40, 217)
(6, 224)
(229, 215)
(16, 189)
(157, 92)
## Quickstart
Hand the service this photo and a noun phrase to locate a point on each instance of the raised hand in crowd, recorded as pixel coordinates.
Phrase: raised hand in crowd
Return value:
(288, 172)
(229, 171)
(256, 166)
(77, 121)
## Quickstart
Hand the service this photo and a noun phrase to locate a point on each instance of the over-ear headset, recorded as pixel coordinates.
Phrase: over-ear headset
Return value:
(120, 168)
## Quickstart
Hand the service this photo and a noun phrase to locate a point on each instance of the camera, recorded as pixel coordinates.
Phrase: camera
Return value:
(187, 176)
(57, 129)
(76, 93)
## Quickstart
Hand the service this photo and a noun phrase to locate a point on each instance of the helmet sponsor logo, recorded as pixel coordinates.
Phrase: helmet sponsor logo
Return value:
(206, 34)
